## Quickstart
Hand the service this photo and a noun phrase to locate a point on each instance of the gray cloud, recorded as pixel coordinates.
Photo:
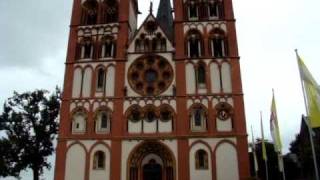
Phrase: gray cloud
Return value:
(32, 30)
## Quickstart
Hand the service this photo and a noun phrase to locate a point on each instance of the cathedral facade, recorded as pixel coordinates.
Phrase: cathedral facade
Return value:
(162, 101)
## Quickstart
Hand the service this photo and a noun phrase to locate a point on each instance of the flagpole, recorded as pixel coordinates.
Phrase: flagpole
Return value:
(254, 155)
(281, 163)
(279, 151)
(264, 151)
(308, 124)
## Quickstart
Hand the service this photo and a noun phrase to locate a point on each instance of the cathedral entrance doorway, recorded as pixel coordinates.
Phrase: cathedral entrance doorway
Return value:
(151, 161)
(152, 171)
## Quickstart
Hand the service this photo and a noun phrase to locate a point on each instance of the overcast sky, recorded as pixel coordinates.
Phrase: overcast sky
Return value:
(34, 35)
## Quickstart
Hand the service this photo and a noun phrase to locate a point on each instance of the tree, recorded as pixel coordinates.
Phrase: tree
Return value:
(302, 149)
(30, 123)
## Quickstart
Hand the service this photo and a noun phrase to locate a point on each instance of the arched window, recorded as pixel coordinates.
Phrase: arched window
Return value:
(201, 157)
(165, 114)
(198, 119)
(201, 76)
(89, 12)
(194, 44)
(103, 121)
(135, 114)
(99, 160)
(101, 76)
(218, 44)
(215, 9)
(108, 47)
(110, 11)
(85, 49)
(79, 119)
(193, 10)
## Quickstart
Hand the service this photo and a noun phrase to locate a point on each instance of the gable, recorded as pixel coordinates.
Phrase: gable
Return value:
(150, 30)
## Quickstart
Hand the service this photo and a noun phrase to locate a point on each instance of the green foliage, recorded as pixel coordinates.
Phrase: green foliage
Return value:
(30, 123)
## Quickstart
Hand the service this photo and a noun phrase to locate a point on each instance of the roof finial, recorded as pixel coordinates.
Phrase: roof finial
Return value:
(151, 7)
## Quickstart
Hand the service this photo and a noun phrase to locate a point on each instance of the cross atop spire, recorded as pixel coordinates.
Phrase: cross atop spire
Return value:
(151, 7)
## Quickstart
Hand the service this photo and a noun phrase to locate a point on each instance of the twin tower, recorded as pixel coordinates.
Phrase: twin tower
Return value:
(162, 101)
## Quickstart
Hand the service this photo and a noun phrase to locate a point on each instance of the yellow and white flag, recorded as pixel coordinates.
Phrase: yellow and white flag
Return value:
(274, 127)
(312, 93)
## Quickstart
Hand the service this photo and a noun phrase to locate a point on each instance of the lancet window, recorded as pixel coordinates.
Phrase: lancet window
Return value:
(101, 79)
(201, 75)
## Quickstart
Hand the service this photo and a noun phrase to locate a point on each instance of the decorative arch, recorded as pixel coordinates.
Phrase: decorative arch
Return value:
(76, 160)
(215, 77)
(145, 148)
(190, 78)
(226, 77)
(226, 156)
(100, 173)
(77, 82)
(207, 172)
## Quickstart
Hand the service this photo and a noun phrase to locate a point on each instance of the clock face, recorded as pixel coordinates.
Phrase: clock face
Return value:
(150, 75)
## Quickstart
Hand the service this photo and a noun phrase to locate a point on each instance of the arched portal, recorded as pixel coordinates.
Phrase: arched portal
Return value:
(151, 160)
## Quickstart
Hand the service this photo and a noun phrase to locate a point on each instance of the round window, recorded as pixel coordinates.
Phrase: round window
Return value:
(150, 75)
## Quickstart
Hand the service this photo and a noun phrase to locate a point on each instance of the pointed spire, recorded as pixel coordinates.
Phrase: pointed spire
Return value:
(165, 17)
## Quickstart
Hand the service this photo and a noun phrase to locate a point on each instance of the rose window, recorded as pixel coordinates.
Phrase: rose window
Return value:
(150, 75)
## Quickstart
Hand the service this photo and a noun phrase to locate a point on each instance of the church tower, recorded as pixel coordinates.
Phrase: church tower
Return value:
(162, 101)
